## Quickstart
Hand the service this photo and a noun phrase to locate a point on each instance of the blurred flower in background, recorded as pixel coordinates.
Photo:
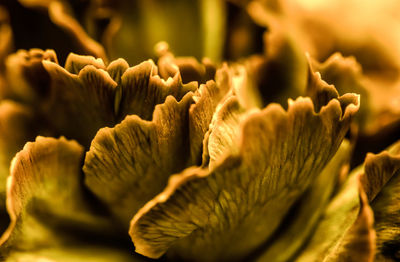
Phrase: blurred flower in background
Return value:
(205, 130)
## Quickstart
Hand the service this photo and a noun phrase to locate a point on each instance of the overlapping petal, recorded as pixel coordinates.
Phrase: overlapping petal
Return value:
(46, 200)
(203, 213)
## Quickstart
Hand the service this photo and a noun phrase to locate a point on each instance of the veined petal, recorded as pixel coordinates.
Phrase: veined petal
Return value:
(345, 232)
(17, 126)
(382, 171)
(129, 164)
(46, 200)
(80, 104)
(142, 89)
(306, 214)
(227, 212)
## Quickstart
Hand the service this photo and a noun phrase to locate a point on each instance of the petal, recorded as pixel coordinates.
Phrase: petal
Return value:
(211, 215)
(80, 104)
(129, 164)
(75, 63)
(346, 74)
(201, 112)
(306, 214)
(27, 80)
(224, 130)
(17, 126)
(345, 232)
(190, 69)
(382, 170)
(142, 89)
(358, 243)
(46, 200)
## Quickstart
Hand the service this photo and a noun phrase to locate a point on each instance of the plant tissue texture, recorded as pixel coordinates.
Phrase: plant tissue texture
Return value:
(204, 130)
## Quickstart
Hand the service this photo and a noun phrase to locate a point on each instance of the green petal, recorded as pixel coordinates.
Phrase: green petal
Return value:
(227, 212)
(345, 232)
(80, 104)
(17, 126)
(340, 235)
(46, 200)
(384, 170)
(129, 164)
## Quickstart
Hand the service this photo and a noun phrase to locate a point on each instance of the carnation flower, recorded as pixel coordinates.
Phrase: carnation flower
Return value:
(179, 159)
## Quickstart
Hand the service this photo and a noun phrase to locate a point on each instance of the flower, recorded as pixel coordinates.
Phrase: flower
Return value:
(249, 160)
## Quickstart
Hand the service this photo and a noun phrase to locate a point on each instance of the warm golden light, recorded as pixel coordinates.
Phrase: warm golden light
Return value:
(204, 130)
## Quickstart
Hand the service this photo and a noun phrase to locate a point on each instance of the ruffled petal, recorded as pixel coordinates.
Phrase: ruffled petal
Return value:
(27, 79)
(129, 164)
(46, 200)
(345, 232)
(79, 104)
(142, 89)
(305, 215)
(383, 180)
(211, 214)
(17, 126)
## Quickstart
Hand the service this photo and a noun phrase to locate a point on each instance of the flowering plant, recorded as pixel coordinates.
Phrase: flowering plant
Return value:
(254, 159)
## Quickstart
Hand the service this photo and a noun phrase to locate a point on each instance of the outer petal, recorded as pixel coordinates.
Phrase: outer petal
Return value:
(227, 212)
(382, 171)
(300, 223)
(129, 164)
(17, 125)
(46, 200)
(345, 232)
